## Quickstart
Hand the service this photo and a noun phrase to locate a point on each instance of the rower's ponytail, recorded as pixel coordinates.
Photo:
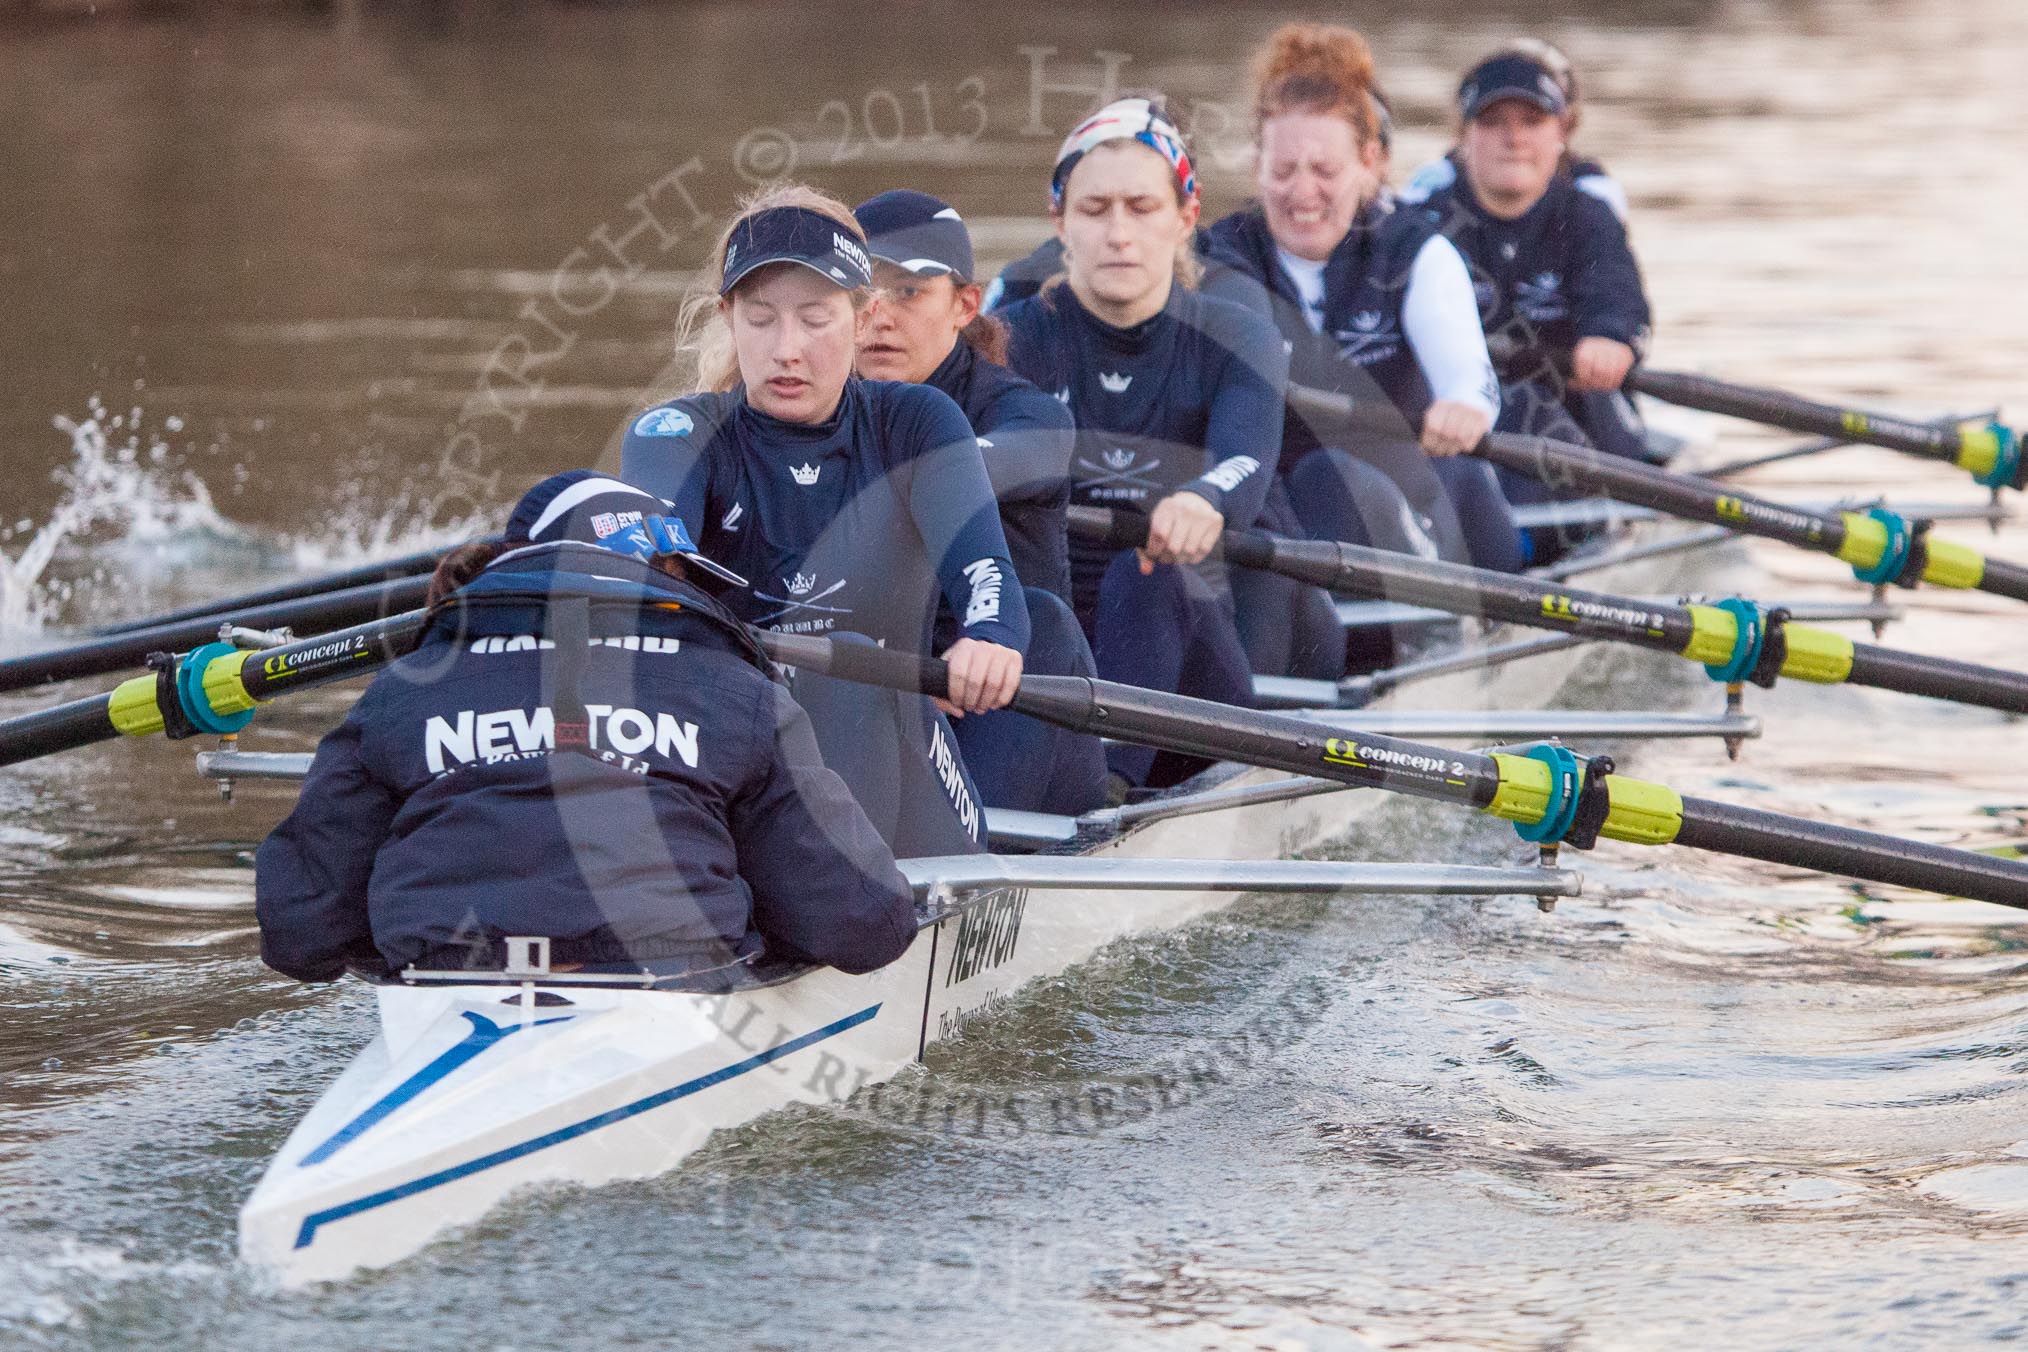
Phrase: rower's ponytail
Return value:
(460, 566)
(701, 329)
(987, 336)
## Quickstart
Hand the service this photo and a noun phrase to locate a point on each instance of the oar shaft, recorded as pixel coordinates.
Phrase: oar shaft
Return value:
(1177, 723)
(76, 723)
(1938, 678)
(122, 651)
(1708, 634)
(1803, 843)
(1976, 450)
(211, 687)
(1522, 789)
(1362, 571)
(229, 609)
(1858, 540)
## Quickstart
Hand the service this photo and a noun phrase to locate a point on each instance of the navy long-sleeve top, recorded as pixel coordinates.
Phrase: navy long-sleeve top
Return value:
(1561, 271)
(1026, 438)
(857, 523)
(1189, 400)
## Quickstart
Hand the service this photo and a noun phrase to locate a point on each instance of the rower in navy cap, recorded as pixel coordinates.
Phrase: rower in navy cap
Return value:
(583, 747)
(924, 327)
(1559, 292)
(854, 506)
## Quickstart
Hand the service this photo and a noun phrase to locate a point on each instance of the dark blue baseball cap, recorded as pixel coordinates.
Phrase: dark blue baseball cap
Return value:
(796, 235)
(590, 508)
(1511, 76)
(918, 233)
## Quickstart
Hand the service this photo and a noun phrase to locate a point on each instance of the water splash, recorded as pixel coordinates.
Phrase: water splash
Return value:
(121, 480)
(365, 523)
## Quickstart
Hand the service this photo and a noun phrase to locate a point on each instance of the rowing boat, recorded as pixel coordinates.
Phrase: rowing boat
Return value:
(478, 1087)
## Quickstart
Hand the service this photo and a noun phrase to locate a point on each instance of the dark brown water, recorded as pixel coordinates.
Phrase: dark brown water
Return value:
(300, 293)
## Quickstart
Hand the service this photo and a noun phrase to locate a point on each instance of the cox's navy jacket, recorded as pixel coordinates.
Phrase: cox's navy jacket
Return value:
(696, 820)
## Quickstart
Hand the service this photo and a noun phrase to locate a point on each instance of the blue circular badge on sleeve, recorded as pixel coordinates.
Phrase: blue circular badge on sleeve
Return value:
(663, 422)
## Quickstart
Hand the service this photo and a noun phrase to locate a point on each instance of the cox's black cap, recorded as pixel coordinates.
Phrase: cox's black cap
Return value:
(796, 235)
(916, 232)
(1510, 77)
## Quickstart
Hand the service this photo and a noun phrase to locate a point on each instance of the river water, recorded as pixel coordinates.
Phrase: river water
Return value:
(276, 295)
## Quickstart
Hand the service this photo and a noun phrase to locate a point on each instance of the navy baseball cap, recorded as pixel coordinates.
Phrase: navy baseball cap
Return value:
(591, 508)
(916, 232)
(1510, 77)
(796, 235)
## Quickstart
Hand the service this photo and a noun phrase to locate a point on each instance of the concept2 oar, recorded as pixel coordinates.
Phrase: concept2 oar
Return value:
(1881, 545)
(1990, 454)
(1552, 796)
(1735, 639)
(129, 648)
(210, 690)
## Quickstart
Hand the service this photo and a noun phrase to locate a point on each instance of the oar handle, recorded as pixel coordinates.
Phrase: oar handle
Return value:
(1340, 413)
(1129, 530)
(864, 663)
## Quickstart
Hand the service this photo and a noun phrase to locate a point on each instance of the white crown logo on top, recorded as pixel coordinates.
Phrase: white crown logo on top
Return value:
(1115, 382)
(805, 474)
(800, 584)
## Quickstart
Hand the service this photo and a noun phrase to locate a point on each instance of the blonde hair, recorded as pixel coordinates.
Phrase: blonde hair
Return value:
(701, 329)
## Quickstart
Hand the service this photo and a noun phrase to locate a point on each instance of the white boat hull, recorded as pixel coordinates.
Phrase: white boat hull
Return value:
(468, 1095)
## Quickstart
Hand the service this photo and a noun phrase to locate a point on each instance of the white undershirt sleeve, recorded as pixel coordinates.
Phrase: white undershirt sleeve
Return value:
(1441, 320)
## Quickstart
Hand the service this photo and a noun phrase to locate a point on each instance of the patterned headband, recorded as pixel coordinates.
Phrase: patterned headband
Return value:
(1125, 120)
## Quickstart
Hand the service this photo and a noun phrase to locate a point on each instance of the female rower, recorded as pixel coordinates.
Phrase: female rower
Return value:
(1178, 401)
(924, 327)
(585, 748)
(1558, 288)
(1373, 303)
(852, 504)
(1586, 173)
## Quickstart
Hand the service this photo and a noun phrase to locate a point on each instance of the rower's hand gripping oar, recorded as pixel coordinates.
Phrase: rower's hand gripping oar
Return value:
(1991, 454)
(1552, 796)
(1882, 547)
(1736, 640)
